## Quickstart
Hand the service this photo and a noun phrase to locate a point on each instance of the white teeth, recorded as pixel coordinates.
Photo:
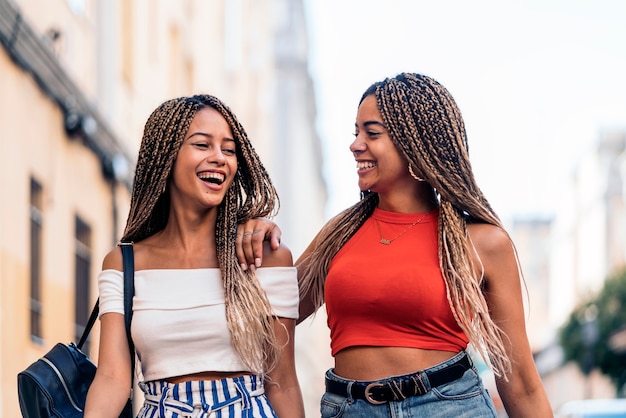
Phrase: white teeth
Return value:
(362, 165)
(212, 177)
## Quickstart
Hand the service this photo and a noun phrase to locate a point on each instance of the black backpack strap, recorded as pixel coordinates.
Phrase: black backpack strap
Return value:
(128, 259)
(90, 324)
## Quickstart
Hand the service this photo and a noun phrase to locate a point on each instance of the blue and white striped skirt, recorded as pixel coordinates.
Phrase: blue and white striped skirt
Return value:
(241, 397)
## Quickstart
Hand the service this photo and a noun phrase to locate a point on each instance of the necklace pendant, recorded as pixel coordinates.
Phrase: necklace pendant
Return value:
(385, 241)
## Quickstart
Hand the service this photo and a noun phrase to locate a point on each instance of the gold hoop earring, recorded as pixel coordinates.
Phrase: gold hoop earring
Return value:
(413, 174)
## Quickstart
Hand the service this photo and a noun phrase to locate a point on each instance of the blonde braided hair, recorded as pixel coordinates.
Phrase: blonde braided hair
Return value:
(426, 125)
(251, 195)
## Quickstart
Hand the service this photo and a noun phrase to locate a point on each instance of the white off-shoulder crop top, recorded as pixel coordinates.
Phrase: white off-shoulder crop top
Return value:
(179, 317)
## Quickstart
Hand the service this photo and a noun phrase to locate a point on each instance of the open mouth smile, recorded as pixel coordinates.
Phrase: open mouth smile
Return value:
(214, 178)
(364, 165)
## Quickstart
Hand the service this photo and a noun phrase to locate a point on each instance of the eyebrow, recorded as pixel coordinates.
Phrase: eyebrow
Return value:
(370, 123)
(228, 139)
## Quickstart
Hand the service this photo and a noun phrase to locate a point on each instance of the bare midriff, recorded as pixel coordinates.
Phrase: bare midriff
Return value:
(205, 376)
(373, 363)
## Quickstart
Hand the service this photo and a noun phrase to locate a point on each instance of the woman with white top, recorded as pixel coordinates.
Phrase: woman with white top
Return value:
(211, 341)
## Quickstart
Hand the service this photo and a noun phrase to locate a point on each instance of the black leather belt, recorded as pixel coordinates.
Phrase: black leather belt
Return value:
(387, 390)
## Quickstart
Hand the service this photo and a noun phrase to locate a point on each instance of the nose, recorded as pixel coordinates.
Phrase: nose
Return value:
(358, 145)
(216, 156)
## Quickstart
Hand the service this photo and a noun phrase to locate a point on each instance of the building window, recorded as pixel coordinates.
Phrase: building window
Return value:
(36, 223)
(83, 268)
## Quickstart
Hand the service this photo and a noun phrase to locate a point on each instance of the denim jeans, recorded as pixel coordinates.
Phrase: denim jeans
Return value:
(464, 397)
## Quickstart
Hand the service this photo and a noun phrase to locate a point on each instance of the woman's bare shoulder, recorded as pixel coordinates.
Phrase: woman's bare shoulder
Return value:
(280, 257)
(489, 240)
(113, 260)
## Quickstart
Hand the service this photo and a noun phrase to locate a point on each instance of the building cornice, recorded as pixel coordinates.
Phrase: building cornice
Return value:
(34, 56)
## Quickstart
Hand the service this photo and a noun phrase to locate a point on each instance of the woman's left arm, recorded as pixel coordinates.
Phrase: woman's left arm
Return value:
(281, 385)
(523, 395)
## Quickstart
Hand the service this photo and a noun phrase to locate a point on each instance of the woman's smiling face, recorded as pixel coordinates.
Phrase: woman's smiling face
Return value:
(380, 166)
(207, 160)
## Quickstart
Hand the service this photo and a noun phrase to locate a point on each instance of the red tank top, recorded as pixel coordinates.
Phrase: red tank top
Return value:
(391, 295)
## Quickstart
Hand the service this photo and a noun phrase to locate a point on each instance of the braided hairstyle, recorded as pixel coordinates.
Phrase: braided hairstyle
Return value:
(251, 195)
(425, 124)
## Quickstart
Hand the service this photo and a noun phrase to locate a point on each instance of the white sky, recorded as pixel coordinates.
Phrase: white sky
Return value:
(536, 81)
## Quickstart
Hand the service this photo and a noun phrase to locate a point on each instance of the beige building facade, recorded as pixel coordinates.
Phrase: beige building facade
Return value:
(78, 79)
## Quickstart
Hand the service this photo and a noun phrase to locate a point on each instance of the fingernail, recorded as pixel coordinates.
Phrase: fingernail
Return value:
(257, 262)
(244, 266)
(252, 268)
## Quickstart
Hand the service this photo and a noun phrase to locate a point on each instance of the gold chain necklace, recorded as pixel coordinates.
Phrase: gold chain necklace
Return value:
(386, 241)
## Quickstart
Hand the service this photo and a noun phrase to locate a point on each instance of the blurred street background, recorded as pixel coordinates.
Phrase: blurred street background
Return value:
(540, 83)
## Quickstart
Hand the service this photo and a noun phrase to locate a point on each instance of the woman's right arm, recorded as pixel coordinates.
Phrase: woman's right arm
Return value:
(306, 307)
(250, 238)
(110, 389)
(111, 386)
(249, 248)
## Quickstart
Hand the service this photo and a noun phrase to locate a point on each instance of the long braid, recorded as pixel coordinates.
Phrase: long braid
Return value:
(251, 195)
(163, 135)
(312, 272)
(425, 124)
(248, 311)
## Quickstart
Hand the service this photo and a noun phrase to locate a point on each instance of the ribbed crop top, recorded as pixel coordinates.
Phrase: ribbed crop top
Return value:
(179, 317)
(391, 295)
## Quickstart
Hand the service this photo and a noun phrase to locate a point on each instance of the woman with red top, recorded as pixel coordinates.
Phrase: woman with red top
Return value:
(419, 268)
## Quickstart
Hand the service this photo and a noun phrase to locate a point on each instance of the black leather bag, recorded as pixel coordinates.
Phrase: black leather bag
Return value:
(56, 385)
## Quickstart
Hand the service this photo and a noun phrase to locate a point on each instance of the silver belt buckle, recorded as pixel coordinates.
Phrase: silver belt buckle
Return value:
(368, 394)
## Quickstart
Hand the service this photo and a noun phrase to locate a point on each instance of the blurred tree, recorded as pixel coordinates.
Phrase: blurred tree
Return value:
(585, 336)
